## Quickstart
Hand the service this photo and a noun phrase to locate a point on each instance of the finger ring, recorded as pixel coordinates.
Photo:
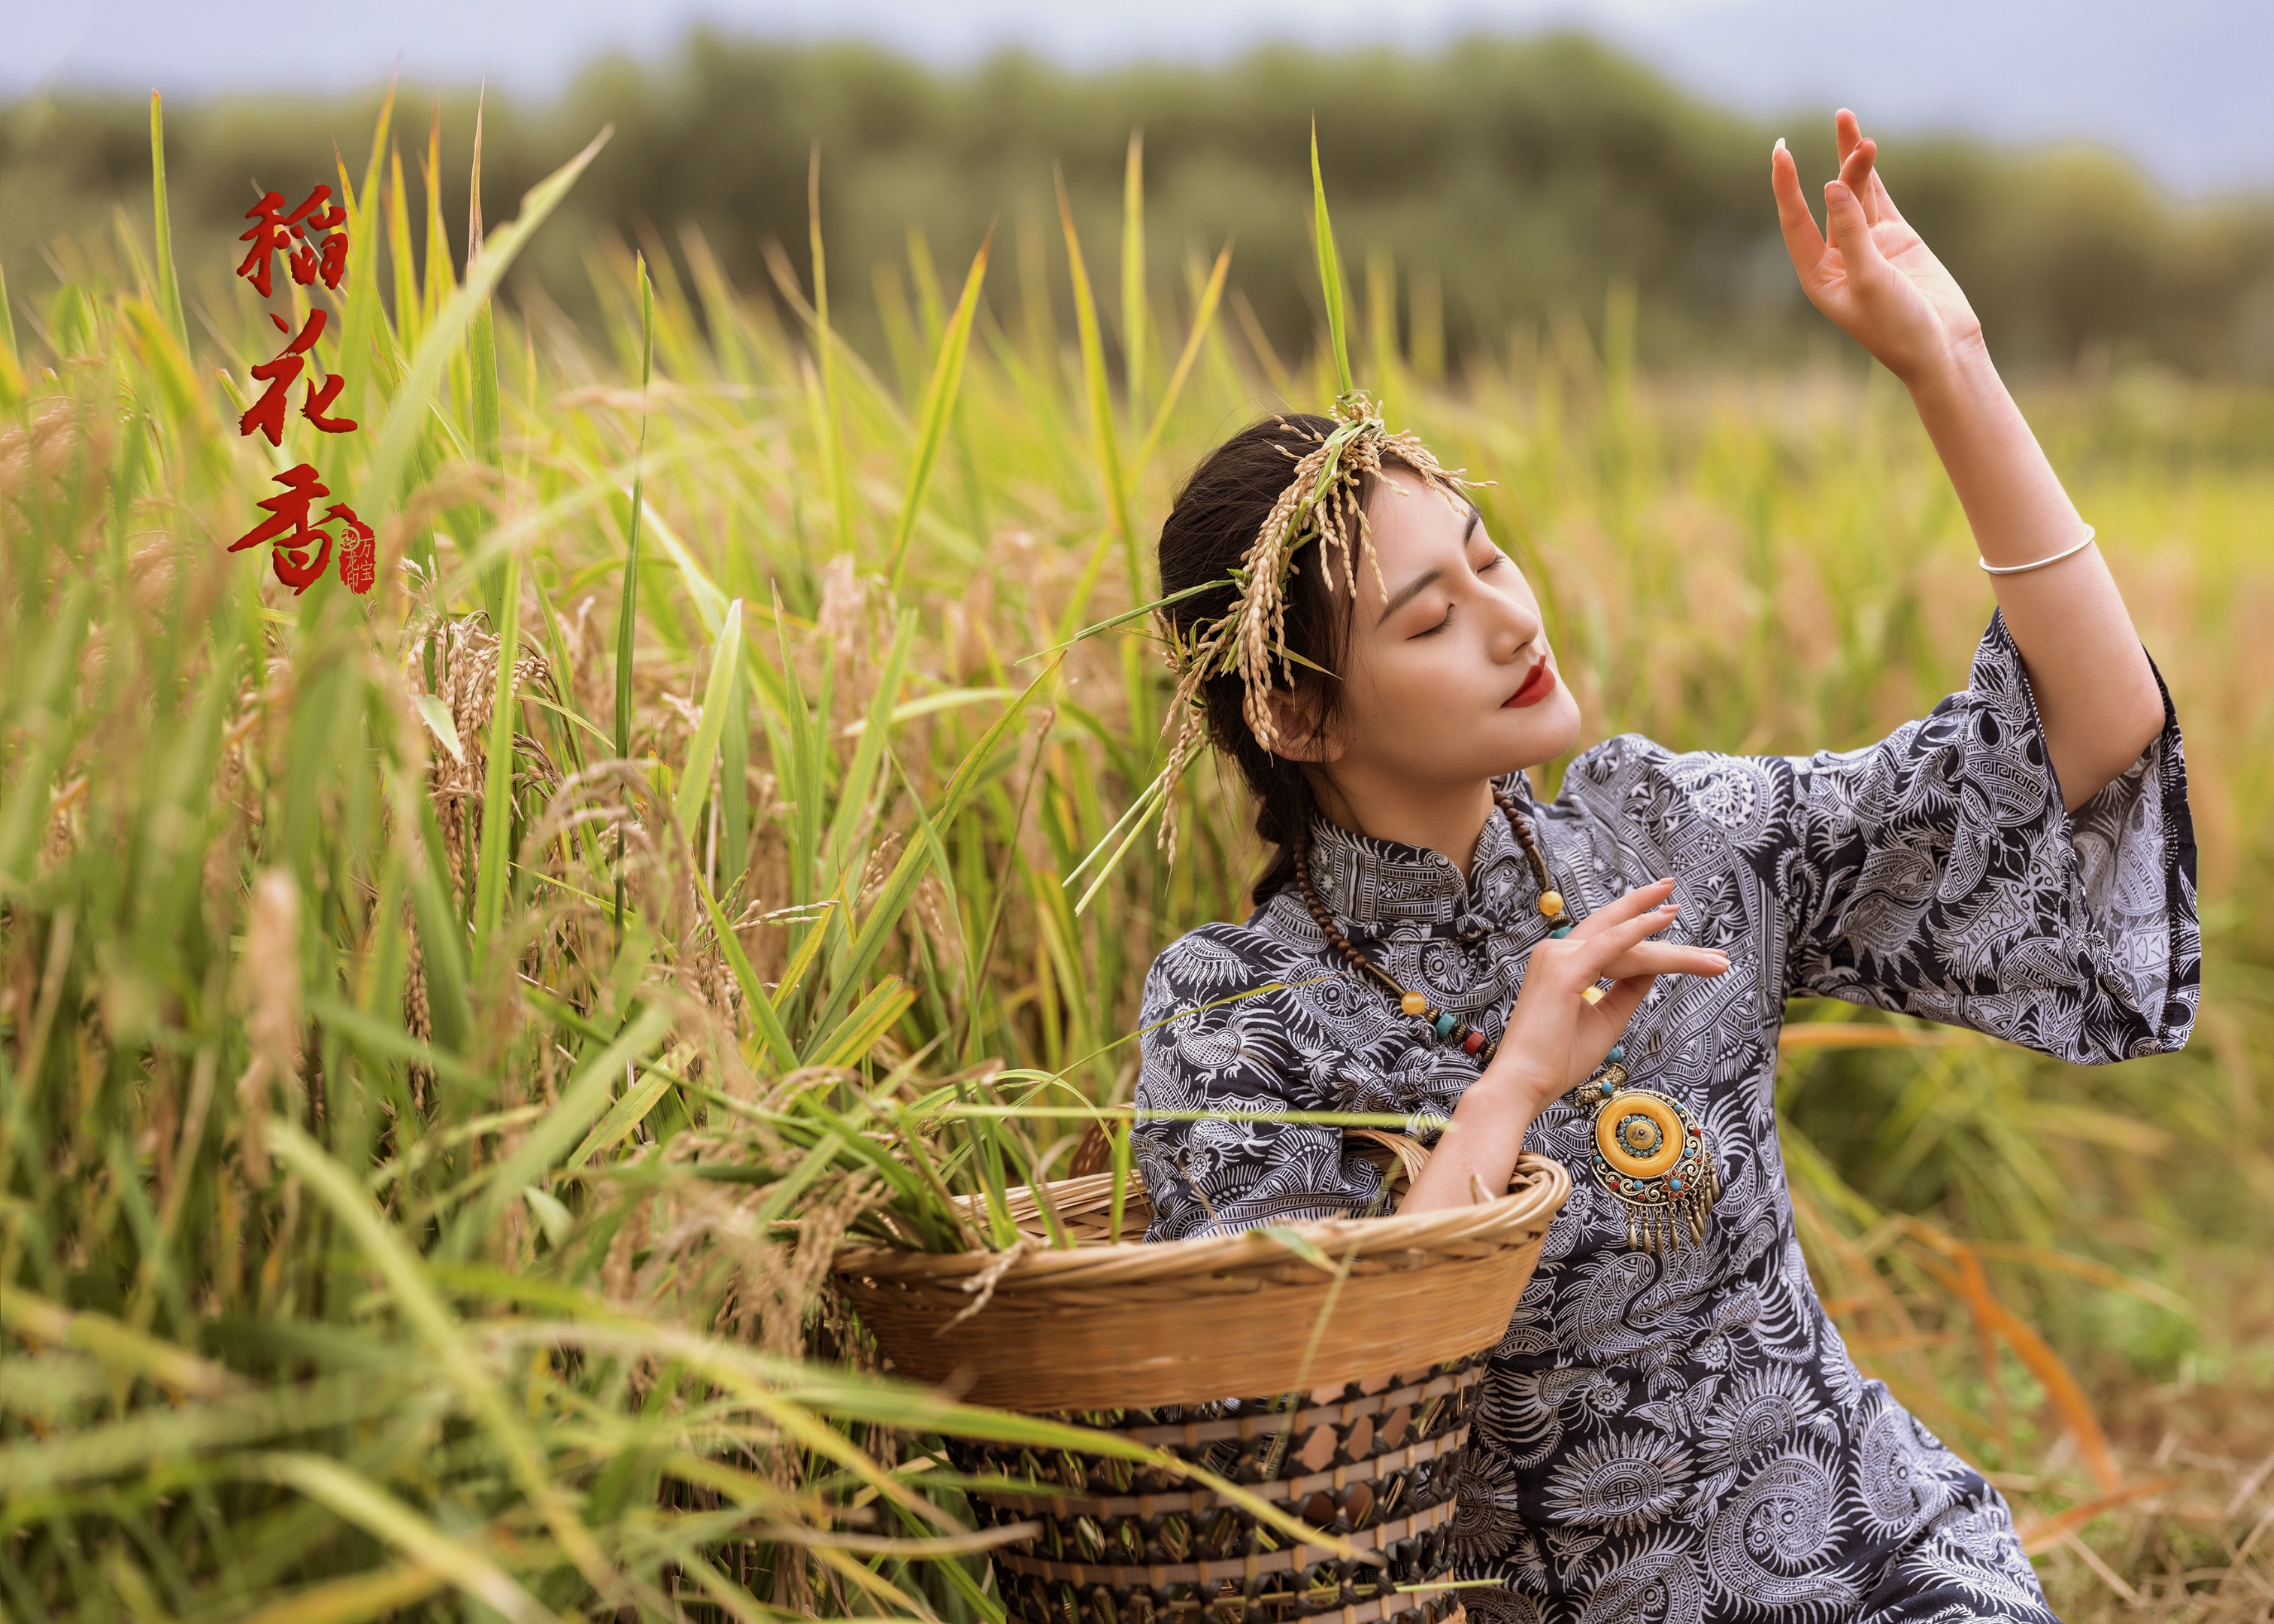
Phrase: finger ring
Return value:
(1592, 995)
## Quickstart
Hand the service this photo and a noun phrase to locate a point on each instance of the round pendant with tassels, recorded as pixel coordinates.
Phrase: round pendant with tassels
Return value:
(1651, 1152)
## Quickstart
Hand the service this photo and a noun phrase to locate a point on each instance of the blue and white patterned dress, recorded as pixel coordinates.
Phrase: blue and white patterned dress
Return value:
(1683, 1437)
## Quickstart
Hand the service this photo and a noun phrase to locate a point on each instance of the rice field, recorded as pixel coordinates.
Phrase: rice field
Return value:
(444, 1031)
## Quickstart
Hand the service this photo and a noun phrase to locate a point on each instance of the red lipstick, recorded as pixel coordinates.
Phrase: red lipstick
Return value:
(1539, 683)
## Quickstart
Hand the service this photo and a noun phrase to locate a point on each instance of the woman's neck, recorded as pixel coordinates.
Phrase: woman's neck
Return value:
(1437, 819)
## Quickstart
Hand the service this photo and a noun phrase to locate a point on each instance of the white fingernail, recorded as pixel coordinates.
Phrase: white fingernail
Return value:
(1780, 145)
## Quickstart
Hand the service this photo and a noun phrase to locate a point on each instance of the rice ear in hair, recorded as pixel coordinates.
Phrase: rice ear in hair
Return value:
(1323, 500)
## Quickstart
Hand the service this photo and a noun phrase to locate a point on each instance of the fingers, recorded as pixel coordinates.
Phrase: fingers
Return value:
(1802, 240)
(1618, 1007)
(1641, 900)
(1863, 177)
(1851, 232)
(1597, 954)
(1611, 942)
(1560, 968)
(1859, 174)
(1877, 205)
(1667, 958)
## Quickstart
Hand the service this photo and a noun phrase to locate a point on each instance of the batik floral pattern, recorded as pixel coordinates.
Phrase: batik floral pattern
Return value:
(1683, 1439)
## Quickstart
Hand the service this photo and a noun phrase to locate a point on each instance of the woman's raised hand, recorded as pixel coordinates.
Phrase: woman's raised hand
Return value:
(1876, 278)
(1554, 1037)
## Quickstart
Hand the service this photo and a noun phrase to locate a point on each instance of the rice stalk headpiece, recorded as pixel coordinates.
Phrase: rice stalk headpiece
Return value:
(1322, 503)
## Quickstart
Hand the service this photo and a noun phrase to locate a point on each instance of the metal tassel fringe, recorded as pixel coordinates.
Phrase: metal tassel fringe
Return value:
(1658, 1229)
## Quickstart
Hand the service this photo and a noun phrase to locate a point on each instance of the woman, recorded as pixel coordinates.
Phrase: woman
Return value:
(1672, 1429)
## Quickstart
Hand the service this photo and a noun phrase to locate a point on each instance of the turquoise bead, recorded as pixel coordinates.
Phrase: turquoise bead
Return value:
(1560, 932)
(1618, 1053)
(1445, 1024)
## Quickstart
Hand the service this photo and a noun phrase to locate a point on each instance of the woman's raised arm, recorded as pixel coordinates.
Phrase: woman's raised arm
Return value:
(1877, 278)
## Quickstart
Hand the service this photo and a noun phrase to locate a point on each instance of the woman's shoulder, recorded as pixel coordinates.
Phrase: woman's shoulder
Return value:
(1644, 790)
(1219, 957)
(1619, 767)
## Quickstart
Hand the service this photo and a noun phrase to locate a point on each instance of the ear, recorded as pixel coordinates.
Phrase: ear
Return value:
(1298, 734)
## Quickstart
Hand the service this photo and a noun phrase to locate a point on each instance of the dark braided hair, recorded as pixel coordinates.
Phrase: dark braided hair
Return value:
(1207, 533)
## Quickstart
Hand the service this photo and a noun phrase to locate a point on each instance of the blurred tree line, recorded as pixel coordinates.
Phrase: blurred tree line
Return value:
(1508, 181)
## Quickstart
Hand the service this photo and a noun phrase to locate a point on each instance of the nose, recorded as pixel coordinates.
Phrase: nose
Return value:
(1515, 627)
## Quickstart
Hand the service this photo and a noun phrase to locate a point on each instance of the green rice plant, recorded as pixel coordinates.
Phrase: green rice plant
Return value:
(444, 1034)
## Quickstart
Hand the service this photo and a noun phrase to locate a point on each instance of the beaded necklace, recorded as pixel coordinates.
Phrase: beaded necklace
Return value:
(1650, 1150)
(1448, 1027)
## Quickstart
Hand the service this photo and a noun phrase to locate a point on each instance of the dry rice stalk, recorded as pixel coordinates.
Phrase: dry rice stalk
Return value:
(855, 623)
(782, 1309)
(418, 1014)
(268, 979)
(465, 680)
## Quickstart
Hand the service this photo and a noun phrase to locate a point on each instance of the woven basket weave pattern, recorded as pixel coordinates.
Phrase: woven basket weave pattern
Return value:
(1373, 1462)
(1097, 1326)
(1386, 1345)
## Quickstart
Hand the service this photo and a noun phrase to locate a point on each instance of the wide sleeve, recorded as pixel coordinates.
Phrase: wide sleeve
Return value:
(1937, 873)
(1218, 1057)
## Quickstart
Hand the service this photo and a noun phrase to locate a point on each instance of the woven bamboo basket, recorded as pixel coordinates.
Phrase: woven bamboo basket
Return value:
(1366, 1390)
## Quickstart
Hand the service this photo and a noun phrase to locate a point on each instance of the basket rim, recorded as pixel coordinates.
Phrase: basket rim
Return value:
(1509, 1219)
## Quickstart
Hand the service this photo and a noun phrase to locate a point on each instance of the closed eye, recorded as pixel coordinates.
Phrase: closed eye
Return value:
(1493, 562)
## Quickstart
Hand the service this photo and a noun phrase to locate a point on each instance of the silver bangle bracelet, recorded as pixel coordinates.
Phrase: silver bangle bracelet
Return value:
(2019, 569)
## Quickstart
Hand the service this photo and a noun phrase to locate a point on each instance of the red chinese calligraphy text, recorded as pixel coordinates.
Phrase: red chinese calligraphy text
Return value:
(288, 527)
(267, 414)
(294, 235)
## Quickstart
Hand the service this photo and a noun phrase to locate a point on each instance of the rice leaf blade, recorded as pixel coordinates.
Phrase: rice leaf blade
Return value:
(1204, 323)
(1105, 440)
(406, 413)
(169, 287)
(1134, 337)
(1330, 270)
(710, 723)
(493, 878)
(628, 602)
(938, 408)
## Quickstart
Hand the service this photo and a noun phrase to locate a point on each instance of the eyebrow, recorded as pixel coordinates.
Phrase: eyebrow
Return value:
(1412, 588)
(1407, 593)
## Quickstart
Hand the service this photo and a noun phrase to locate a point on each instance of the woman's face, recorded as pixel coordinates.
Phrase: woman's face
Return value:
(1447, 678)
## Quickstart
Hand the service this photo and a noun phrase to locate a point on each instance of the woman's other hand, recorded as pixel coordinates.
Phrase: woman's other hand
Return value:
(1554, 1037)
(1876, 278)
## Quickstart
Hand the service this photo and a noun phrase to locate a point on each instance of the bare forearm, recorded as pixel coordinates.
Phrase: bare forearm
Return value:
(2095, 692)
(1480, 1143)
(1879, 282)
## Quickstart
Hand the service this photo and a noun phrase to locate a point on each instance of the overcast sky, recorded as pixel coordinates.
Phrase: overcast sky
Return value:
(2176, 83)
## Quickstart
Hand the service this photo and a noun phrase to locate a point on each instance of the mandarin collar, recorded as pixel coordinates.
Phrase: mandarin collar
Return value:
(1377, 884)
